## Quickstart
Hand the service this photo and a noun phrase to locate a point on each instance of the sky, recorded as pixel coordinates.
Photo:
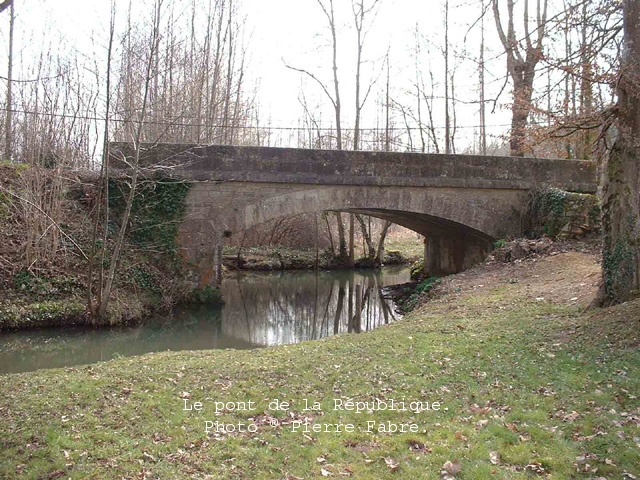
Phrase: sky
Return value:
(295, 32)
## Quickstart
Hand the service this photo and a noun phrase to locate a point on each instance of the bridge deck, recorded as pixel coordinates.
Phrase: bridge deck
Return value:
(333, 167)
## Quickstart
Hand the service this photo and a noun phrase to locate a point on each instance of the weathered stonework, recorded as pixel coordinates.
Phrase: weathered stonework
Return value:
(561, 214)
(461, 202)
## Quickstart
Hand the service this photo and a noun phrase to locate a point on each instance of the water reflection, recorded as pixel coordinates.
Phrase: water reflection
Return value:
(284, 307)
(260, 310)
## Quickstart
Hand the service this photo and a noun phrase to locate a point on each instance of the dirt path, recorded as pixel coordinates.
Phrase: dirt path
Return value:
(565, 278)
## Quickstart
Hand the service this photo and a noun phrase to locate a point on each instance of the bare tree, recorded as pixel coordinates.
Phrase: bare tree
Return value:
(334, 98)
(137, 128)
(447, 120)
(102, 204)
(521, 65)
(360, 12)
(329, 13)
(9, 114)
(481, 71)
(198, 92)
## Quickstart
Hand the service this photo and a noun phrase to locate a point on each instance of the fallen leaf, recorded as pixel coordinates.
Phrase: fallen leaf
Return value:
(525, 437)
(479, 410)
(452, 468)
(392, 463)
(347, 472)
(148, 457)
(494, 458)
(571, 416)
(460, 436)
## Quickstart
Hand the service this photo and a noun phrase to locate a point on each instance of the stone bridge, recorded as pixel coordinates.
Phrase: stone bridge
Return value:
(460, 203)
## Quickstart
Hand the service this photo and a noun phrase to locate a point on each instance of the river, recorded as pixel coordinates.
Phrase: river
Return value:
(260, 310)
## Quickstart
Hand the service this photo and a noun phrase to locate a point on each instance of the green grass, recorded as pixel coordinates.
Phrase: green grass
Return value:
(410, 247)
(505, 381)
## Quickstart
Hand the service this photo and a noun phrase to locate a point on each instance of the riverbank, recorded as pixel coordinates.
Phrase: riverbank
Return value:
(46, 222)
(526, 383)
(267, 259)
(421, 289)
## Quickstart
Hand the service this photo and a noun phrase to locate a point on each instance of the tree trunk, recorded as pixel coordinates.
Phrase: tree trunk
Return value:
(621, 174)
(103, 194)
(115, 258)
(521, 66)
(383, 236)
(337, 105)
(8, 122)
(342, 240)
(447, 121)
(326, 219)
(365, 234)
(519, 113)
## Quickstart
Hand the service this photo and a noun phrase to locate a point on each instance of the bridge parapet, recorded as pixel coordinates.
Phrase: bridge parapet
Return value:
(333, 167)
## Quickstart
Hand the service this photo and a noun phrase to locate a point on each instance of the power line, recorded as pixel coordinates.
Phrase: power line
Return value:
(170, 123)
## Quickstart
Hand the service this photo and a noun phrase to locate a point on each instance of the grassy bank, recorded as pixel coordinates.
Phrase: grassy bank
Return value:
(527, 386)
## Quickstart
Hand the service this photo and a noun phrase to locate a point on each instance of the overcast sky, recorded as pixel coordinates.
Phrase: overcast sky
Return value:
(295, 31)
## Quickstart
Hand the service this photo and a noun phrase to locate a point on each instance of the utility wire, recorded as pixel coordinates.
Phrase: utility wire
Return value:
(171, 123)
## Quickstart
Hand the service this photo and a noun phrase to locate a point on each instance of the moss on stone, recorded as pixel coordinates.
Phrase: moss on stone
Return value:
(558, 213)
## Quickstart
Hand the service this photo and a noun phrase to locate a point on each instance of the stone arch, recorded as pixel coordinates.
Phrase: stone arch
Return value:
(481, 214)
(459, 224)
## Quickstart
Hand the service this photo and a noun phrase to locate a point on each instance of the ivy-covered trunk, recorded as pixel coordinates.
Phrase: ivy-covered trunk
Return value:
(621, 174)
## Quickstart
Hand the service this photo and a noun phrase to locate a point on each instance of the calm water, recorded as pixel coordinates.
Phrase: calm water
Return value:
(260, 310)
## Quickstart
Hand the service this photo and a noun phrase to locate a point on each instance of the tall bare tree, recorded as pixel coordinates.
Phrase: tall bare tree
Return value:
(329, 13)
(447, 118)
(102, 205)
(521, 65)
(360, 13)
(136, 128)
(9, 114)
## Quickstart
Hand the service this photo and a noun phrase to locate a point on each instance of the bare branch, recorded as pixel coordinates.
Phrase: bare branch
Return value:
(308, 73)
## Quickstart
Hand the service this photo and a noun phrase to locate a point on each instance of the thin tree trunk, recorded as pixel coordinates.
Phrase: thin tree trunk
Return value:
(337, 105)
(447, 122)
(387, 131)
(586, 89)
(115, 258)
(483, 124)
(326, 219)
(103, 195)
(383, 236)
(342, 241)
(365, 234)
(9, 113)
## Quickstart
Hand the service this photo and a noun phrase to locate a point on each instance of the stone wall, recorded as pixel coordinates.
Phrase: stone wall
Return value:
(561, 214)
